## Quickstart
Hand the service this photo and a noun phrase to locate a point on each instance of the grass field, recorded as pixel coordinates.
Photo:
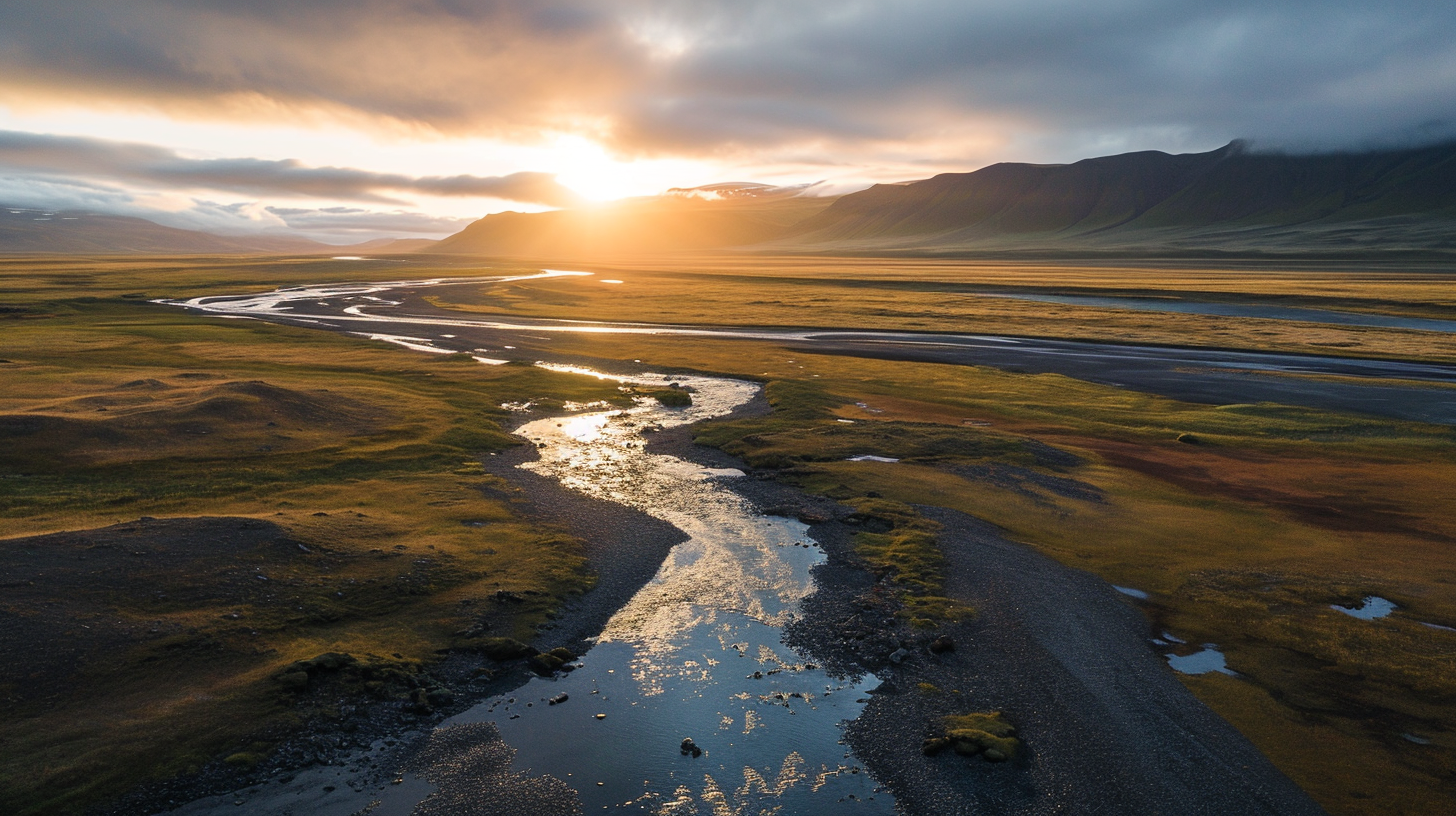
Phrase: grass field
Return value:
(925, 296)
(1244, 523)
(379, 535)
(1244, 532)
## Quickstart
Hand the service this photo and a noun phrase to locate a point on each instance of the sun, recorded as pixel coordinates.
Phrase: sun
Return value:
(585, 168)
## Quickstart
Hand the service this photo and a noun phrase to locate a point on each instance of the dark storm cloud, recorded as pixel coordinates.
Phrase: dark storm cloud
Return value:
(71, 156)
(446, 64)
(696, 77)
(1290, 72)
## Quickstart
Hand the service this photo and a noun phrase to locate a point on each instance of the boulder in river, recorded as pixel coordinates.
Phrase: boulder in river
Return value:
(558, 698)
(690, 747)
(545, 664)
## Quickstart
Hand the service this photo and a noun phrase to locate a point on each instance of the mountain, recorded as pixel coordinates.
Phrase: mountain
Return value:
(32, 231)
(27, 231)
(701, 218)
(1227, 200)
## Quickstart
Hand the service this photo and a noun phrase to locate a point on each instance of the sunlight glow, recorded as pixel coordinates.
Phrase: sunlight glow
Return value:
(585, 167)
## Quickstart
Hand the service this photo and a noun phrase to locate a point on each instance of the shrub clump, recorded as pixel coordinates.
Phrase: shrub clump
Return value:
(983, 733)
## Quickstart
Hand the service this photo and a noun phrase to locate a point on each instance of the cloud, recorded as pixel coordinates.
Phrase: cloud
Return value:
(348, 221)
(337, 225)
(73, 156)
(1043, 77)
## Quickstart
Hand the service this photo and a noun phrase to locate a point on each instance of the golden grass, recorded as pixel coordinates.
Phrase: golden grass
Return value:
(1322, 507)
(1244, 540)
(891, 295)
(365, 456)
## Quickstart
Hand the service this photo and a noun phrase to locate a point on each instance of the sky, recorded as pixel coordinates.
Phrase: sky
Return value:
(346, 120)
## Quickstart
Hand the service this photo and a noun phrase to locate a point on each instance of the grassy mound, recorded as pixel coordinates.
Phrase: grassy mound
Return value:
(984, 733)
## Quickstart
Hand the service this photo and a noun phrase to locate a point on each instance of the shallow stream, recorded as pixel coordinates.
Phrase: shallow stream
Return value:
(696, 653)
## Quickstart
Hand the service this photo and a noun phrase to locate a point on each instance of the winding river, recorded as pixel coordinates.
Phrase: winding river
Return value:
(697, 652)
(394, 311)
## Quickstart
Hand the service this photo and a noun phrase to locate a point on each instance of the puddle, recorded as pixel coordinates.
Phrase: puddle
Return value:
(1210, 659)
(1132, 593)
(1370, 608)
(865, 457)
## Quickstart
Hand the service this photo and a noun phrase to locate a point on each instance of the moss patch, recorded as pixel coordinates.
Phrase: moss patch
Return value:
(985, 733)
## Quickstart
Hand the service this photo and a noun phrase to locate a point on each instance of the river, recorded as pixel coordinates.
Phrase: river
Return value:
(696, 653)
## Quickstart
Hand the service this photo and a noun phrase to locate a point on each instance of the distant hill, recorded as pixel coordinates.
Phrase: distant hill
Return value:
(31, 231)
(703, 218)
(25, 231)
(1227, 200)
(391, 245)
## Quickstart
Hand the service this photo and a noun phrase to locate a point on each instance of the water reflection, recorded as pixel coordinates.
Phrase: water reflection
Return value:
(696, 653)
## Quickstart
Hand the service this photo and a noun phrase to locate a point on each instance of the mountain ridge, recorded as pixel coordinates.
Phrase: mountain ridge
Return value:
(32, 231)
(1223, 199)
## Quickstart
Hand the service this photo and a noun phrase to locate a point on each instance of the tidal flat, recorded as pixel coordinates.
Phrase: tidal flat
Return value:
(1241, 523)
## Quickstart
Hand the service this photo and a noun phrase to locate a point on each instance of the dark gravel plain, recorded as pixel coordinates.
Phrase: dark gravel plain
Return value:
(1106, 727)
